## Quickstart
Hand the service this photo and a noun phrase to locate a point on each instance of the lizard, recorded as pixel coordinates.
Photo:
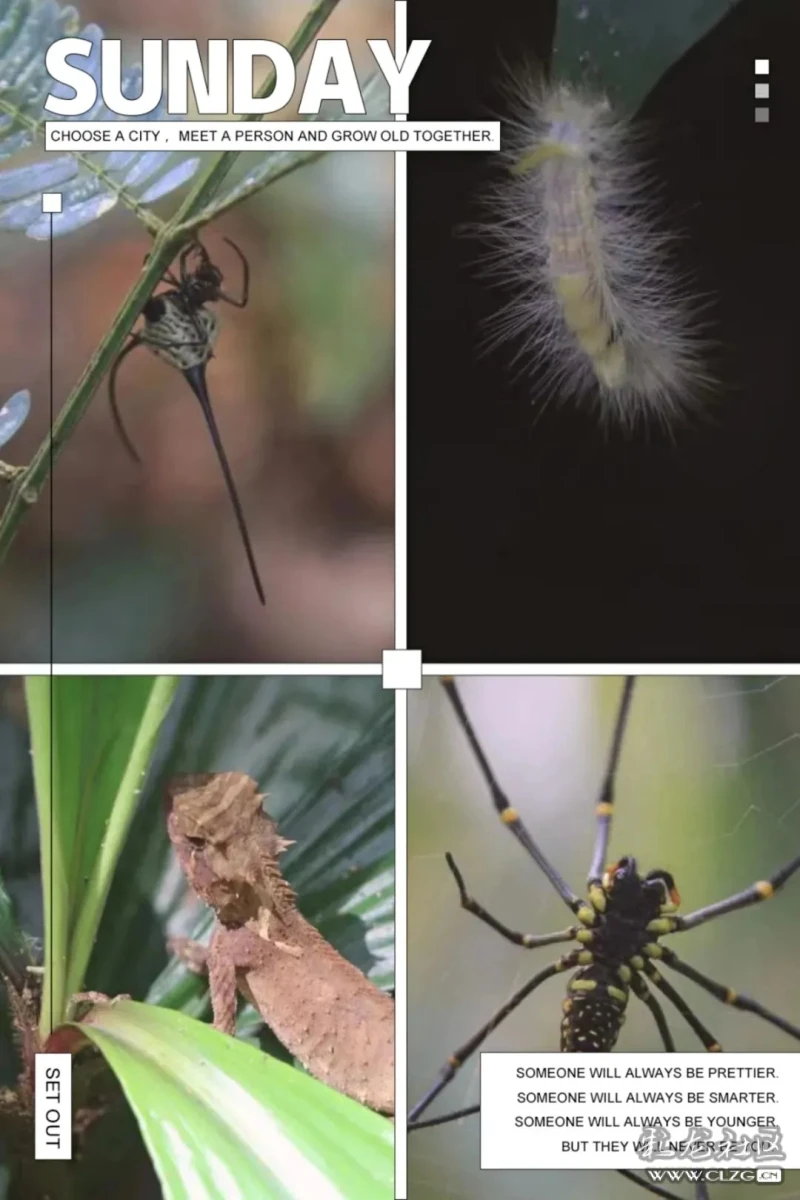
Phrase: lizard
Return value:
(333, 1019)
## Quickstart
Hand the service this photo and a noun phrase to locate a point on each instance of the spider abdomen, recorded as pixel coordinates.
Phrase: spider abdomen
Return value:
(180, 335)
(594, 1010)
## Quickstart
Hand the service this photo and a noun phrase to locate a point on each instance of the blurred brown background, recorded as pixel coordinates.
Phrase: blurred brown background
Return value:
(148, 563)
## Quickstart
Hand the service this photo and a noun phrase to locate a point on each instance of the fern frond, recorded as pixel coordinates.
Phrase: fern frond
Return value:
(13, 414)
(90, 184)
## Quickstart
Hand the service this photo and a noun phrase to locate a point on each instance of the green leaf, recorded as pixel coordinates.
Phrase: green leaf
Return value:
(623, 46)
(91, 740)
(220, 1118)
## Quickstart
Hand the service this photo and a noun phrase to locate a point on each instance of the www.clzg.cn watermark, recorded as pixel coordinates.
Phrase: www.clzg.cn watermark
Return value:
(717, 1175)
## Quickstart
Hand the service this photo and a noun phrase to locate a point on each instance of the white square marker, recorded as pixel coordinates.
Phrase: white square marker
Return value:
(402, 669)
(762, 66)
(762, 91)
(51, 202)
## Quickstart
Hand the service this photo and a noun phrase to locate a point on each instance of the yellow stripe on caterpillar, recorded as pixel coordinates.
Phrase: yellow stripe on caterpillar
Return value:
(543, 153)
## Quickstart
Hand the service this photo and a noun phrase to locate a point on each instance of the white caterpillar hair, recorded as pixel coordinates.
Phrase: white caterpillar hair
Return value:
(595, 299)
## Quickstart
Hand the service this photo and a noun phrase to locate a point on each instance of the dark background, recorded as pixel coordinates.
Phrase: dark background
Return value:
(542, 538)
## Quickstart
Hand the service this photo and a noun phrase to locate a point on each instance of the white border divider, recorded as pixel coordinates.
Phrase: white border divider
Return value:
(401, 629)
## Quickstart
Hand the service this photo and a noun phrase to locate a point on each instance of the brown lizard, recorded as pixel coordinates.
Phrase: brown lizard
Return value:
(324, 1011)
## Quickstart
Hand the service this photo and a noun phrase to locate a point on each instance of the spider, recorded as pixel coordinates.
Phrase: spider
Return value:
(179, 329)
(618, 934)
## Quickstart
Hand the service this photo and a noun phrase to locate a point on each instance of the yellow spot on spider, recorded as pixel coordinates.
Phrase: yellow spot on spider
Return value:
(585, 957)
(660, 925)
(765, 890)
(509, 816)
(598, 898)
(731, 996)
(653, 950)
(584, 935)
(637, 962)
(583, 985)
(617, 994)
(586, 915)
(625, 973)
(604, 809)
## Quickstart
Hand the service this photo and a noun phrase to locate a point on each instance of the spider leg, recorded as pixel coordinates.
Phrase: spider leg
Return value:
(245, 279)
(725, 994)
(507, 814)
(604, 808)
(529, 940)
(640, 988)
(447, 1117)
(136, 340)
(456, 1061)
(189, 249)
(763, 890)
(709, 1041)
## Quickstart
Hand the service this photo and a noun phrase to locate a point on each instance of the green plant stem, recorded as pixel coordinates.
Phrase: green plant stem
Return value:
(208, 184)
(192, 214)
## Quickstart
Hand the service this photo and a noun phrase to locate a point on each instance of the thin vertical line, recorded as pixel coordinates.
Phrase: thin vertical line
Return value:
(401, 368)
(52, 590)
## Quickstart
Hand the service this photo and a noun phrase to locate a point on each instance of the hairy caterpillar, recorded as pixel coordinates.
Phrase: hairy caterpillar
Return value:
(573, 231)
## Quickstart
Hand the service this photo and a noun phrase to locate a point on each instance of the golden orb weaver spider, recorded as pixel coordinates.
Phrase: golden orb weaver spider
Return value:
(612, 891)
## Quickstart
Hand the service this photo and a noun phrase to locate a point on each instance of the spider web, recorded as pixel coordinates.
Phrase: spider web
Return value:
(708, 788)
